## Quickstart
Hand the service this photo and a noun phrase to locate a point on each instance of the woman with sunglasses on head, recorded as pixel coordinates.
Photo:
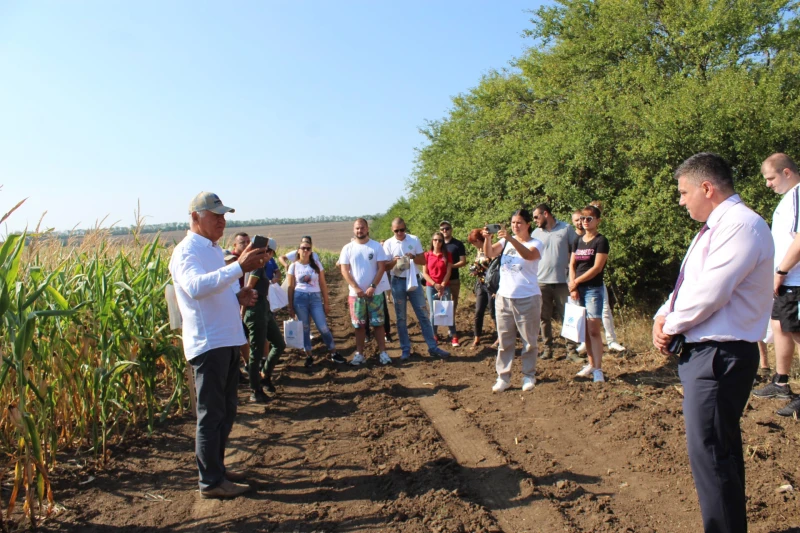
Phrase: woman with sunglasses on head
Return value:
(518, 302)
(437, 270)
(586, 267)
(290, 257)
(308, 299)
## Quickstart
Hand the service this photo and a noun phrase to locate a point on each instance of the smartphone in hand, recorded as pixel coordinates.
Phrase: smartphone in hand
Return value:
(259, 241)
(493, 228)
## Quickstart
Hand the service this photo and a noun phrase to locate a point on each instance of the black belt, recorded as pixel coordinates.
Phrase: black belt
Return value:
(691, 345)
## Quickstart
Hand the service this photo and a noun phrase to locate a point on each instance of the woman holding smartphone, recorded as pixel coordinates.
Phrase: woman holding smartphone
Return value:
(308, 299)
(436, 271)
(586, 267)
(518, 303)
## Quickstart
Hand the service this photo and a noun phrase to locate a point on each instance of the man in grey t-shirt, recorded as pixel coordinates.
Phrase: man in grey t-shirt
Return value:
(557, 237)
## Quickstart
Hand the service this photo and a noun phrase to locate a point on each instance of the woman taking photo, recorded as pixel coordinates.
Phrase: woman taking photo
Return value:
(483, 299)
(586, 267)
(308, 299)
(518, 303)
(436, 271)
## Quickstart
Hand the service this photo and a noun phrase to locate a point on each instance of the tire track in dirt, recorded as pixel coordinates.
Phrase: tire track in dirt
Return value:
(506, 490)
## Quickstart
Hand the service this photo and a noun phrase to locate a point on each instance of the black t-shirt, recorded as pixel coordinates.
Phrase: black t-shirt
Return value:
(456, 249)
(585, 255)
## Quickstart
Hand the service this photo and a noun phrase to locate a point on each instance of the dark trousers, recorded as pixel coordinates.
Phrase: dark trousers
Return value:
(262, 327)
(216, 377)
(717, 378)
(554, 298)
(482, 300)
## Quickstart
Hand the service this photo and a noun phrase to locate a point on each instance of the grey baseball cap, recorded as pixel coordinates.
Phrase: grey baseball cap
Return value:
(208, 201)
(272, 245)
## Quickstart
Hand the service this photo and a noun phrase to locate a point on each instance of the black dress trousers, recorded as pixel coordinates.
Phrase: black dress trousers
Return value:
(717, 378)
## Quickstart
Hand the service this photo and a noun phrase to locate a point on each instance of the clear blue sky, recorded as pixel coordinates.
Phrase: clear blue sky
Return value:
(292, 108)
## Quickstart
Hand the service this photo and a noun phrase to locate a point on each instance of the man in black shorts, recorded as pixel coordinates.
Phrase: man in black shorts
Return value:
(781, 175)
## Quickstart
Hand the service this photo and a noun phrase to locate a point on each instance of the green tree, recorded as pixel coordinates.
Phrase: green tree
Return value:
(612, 98)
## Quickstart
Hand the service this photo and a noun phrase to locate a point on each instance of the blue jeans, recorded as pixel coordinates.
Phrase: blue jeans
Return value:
(592, 299)
(310, 304)
(417, 299)
(432, 295)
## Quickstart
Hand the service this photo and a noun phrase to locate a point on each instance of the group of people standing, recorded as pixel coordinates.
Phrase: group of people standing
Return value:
(737, 274)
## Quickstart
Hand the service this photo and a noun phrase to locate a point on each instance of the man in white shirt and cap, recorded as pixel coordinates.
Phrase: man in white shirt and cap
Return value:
(209, 296)
(719, 307)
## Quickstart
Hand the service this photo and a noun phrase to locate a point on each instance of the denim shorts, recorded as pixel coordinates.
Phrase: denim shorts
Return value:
(592, 300)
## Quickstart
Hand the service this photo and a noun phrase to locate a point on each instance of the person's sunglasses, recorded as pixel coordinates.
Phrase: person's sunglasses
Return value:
(446, 228)
(305, 248)
(587, 219)
(400, 230)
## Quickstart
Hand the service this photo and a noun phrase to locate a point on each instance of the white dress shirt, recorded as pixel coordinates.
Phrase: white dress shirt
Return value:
(726, 293)
(206, 291)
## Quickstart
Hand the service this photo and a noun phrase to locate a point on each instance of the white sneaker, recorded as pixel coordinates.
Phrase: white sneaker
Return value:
(358, 359)
(384, 358)
(617, 347)
(598, 375)
(501, 385)
(528, 383)
(585, 372)
(581, 348)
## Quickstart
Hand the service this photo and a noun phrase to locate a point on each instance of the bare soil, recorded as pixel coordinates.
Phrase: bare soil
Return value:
(425, 446)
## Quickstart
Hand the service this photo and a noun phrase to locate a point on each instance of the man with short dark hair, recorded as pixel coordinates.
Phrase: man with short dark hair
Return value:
(558, 239)
(458, 253)
(362, 262)
(206, 290)
(781, 176)
(720, 305)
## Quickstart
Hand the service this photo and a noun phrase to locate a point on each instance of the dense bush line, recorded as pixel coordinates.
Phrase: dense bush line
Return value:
(612, 97)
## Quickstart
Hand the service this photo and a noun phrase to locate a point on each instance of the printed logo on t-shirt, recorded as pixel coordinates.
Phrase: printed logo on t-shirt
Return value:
(305, 279)
(584, 254)
(509, 262)
(371, 255)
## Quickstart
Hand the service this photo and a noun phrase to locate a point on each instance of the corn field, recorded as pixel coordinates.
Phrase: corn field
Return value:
(87, 353)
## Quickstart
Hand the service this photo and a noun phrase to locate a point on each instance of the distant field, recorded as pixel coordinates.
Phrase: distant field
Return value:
(326, 235)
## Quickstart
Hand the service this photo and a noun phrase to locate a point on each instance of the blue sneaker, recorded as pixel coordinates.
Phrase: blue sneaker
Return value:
(438, 352)
(405, 356)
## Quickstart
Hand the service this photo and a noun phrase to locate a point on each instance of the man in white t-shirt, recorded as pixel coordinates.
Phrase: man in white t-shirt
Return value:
(362, 262)
(781, 175)
(402, 249)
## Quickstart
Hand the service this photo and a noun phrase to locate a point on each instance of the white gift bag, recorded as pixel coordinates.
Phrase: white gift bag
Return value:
(172, 307)
(442, 313)
(574, 327)
(411, 278)
(293, 334)
(277, 297)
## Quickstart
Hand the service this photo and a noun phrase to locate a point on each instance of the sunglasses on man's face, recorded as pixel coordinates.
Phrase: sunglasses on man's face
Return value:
(446, 228)
(587, 219)
(400, 230)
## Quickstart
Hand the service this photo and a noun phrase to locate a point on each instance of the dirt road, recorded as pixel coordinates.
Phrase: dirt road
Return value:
(425, 446)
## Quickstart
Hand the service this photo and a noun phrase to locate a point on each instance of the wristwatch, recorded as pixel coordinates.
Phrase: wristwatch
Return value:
(372, 285)
(780, 272)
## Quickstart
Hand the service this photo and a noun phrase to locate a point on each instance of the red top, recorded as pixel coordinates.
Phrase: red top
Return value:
(437, 267)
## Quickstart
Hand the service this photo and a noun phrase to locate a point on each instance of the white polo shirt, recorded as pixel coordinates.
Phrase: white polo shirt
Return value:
(206, 291)
(397, 248)
(785, 223)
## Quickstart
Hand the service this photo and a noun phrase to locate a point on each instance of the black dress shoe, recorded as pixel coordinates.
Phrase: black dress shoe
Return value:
(268, 384)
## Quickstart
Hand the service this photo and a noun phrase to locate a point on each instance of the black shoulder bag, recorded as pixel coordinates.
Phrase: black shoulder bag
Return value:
(492, 277)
